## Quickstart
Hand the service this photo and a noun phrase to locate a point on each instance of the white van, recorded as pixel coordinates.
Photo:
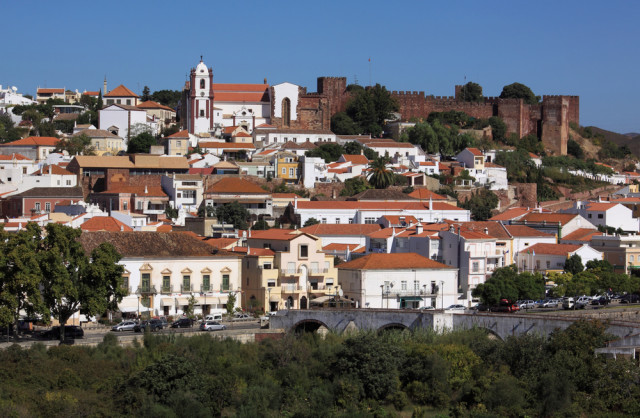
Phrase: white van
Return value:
(213, 317)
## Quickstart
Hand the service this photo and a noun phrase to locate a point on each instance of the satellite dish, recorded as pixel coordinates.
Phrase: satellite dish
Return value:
(14, 88)
(340, 292)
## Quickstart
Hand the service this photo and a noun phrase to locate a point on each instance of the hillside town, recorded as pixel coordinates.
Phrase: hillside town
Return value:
(250, 194)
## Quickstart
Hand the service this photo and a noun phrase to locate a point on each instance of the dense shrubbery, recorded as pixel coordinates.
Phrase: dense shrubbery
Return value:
(365, 374)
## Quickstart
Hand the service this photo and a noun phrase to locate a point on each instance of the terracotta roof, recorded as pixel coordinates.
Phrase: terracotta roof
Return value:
(426, 194)
(534, 156)
(55, 169)
(235, 186)
(294, 145)
(91, 93)
(551, 249)
(495, 229)
(340, 229)
(563, 218)
(235, 87)
(600, 206)
(582, 234)
(356, 159)
(11, 157)
(66, 116)
(525, 231)
(164, 228)
(428, 163)
(104, 223)
(225, 164)
(475, 151)
(338, 170)
(182, 135)
(395, 219)
(386, 232)
(353, 248)
(511, 214)
(121, 91)
(152, 244)
(68, 192)
(382, 195)
(39, 141)
(253, 251)
(150, 104)
(492, 165)
(291, 196)
(275, 234)
(49, 91)
(372, 205)
(96, 133)
(390, 145)
(265, 125)
(398, 261)
(201, 171)
(223, 243)
(240, 97)
(627, 200)
(242, 135)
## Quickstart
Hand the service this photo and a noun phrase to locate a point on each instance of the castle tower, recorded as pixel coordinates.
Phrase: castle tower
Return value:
(200, 101)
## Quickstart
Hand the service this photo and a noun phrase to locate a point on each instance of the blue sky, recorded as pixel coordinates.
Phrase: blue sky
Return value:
(586, 48)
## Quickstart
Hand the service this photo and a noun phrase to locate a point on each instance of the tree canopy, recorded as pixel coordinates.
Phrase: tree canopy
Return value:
(141, 143)
(76, 145)
(380, 175)
(471, 92)
(233, 213)
(519, 91)
(481, 203)
(508, 283)
(366, 111)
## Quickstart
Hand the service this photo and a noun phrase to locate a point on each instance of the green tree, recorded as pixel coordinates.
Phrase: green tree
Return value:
(501, 285)
(311, 221)
(190, 307)
(146, 94)
(169, 98)
(519, 91)
(233, 213)
(141, 143)
(574, 264)
(354, 148)
(330, 152)
(20, 274)
(471, 92)
(573, 148)
(172, 213)
(369, 108)
(99, 103)
(72, 282)
(380, 175)
(231, 303)
(260, 225)
(342, 124)
(354, 186)
(498, 128)
(76, 145)
(481, 203)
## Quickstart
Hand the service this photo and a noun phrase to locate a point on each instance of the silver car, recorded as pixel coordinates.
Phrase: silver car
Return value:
(124, 326)
(212, 326)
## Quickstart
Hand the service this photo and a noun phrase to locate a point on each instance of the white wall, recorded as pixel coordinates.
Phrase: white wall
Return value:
(280, 91)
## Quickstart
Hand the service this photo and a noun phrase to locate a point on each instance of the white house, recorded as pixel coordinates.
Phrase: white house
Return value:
(268, 136)
(184, 191)
(398, 281)
(164, 270)
(119, 119)
(610, 214)
(368, 212)
(545, 257)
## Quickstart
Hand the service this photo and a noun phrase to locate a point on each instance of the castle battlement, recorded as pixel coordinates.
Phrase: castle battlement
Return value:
(549, 96)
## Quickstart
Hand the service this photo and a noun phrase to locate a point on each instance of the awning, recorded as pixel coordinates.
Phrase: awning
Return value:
(274, 298)
(209, 300)
(182, 301)
(166, 302)
(411, 298)
(156, 202)
(321, 300)
(128, 309)
(239, 200)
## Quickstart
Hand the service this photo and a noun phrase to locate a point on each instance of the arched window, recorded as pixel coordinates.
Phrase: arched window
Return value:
(202, 83)
(286, 112)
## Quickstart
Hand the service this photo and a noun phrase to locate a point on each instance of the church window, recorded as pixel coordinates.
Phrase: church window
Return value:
(286, 112)
(128, 102)
(202, 83)
(202, 113)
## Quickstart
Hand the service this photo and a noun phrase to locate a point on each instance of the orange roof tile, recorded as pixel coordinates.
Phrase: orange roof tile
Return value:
(340, 229)
(395, 219)
(155, 191)
(236, 87)
(18, 157)
(276, 234)
(353, 248)
(150, 104)
(242, 135)
(582, 234)
(49, 91)
(121, 91)
(53, 169)
(104, 223)
(184, 134)
(475, 151)
(397, 261)
(356, 159)
(40, 141)
(226, 145)
(551, 249)
(600, 206)
(236, 186)
(563, 218)
(534, 156)
(426, 194)
(253, 251)
(91, 93)
(390, 145)
(291, 196)
(240, 97)
(510, 214)
(525, 231)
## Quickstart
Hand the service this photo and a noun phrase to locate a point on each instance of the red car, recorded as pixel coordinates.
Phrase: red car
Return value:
(505, 306)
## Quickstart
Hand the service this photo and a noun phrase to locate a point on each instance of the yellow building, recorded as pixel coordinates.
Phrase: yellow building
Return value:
(103, 142)
(287, 167)
(286, 269)
(178, 143)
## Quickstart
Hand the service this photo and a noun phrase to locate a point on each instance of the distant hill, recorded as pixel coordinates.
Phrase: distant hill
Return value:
(631, 140)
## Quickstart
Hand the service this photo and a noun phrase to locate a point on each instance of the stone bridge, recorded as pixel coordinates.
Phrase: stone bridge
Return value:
(500, 324)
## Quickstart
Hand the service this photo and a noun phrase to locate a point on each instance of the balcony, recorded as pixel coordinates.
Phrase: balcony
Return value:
(289, 272)
(146, 290)
(409, 292)
(166, 289)
(186, 288)
(290, 288)
(206, 288)
(318, 271)
(225, 289)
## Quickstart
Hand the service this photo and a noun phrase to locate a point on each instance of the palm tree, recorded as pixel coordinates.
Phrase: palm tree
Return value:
(380, 176)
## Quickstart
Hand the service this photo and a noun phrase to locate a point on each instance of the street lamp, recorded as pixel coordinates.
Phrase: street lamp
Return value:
(388, 292)
(381, 296)
(269, 301)
(441, 294)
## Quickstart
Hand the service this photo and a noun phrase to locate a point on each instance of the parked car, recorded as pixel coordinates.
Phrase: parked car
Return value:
(212, 326)
(602, 301)
(455, 308)
(505, 306)
(427, 308)
(241, 317)
(213, 317)
(183, 323)
(582, 302)
(70, 331)
(165, 323)
(568, 303)
(124, 326)
(550, 303)
(527, 304)
(152, 324)
(630, 298)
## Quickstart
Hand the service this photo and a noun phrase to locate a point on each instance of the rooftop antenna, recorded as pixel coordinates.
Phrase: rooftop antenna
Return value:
(355, 79)
(369, 71)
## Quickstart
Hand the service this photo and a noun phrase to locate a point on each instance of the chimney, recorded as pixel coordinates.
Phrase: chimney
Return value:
(333, 193)
(430, 203)
(419, 228)
(295, 202)
(486, 231)
(105, 85)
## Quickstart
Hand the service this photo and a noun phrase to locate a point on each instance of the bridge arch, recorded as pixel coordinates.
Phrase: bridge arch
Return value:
(308, 325)
(394, 326)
